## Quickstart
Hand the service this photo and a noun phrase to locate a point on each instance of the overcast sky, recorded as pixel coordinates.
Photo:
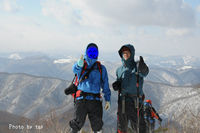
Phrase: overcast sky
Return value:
(160, 27)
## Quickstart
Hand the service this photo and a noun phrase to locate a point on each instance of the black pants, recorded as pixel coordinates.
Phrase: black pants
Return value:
(92, 108)
(129, 115)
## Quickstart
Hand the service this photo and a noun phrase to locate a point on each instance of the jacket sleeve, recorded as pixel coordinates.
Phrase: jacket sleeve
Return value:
(105, 84)
(76, 69)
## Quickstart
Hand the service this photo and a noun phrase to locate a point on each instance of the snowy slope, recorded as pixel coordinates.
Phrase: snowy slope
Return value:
(27, 95)
(172, 101)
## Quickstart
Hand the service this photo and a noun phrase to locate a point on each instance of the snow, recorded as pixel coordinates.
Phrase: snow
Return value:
(69, 59)
(169, 78)
(172, 62)
(14, 103)
(185, 68)
(62, 61)
(15, 56)
(187, 59)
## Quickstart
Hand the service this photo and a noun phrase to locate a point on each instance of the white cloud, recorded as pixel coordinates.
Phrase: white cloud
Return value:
(61, 10)
(22, 34)
(9, 6)
(110, 24)
(165, 13)
(178, 32)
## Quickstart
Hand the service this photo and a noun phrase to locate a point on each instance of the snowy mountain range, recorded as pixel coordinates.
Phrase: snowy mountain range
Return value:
(35, 84)
(179, 70)
(27, 95)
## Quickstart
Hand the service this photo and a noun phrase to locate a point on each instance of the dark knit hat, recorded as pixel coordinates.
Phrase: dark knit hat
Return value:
(92, 44)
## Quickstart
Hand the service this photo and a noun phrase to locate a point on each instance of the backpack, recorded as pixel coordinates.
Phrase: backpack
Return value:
(76, 82)
(149, 111)
(72, 89)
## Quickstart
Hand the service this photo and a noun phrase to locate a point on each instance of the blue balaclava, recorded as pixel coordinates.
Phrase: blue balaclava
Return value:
(92, 53)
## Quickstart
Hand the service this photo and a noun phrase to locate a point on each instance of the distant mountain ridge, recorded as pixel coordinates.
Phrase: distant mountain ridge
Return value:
(175, 70)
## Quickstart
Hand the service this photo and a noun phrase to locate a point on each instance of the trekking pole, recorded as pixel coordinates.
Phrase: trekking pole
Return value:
(138, 108)
(160, 126)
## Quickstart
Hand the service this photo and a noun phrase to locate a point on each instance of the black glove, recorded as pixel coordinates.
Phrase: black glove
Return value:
(160, 119)
(116, 85)
(142, 66)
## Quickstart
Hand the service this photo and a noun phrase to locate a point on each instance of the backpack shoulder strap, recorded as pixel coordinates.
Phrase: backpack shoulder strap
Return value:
(87, 73)
(75, 80)
(100, 68)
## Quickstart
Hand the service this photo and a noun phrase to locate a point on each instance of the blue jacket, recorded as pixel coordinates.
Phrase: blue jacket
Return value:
(93, 83)
(127, 74)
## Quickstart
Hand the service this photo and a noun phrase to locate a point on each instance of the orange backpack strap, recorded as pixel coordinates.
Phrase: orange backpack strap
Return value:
(154, 114)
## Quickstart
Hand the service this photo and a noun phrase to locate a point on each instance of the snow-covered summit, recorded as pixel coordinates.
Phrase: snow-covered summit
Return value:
(184, 68)
(69, 59)
(15, 56)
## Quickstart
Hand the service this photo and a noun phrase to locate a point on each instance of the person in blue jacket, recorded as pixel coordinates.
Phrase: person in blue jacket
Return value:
(127, 90)
(88, 95)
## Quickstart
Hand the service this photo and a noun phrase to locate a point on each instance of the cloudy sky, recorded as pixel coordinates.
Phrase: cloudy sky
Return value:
(160, 27)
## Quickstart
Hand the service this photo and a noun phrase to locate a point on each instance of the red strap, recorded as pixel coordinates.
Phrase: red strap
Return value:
(137, 85)
(153, 114)
(118, 131)
(78, 93)
(76, 81)
(73, 95)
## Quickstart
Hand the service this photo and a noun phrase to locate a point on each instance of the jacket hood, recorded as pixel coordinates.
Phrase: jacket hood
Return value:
(130, 61)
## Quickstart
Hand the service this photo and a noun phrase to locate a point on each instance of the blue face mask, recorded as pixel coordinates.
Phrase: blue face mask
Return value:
(92, 52)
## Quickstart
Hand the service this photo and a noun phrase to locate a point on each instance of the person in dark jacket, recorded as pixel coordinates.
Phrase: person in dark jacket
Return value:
(149, 115)
(88, 97)
(126, 86)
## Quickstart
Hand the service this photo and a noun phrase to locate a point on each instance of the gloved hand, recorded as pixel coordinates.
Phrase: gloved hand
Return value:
(116, 85)
(80, 62)
(142, 66)
(107, 105)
